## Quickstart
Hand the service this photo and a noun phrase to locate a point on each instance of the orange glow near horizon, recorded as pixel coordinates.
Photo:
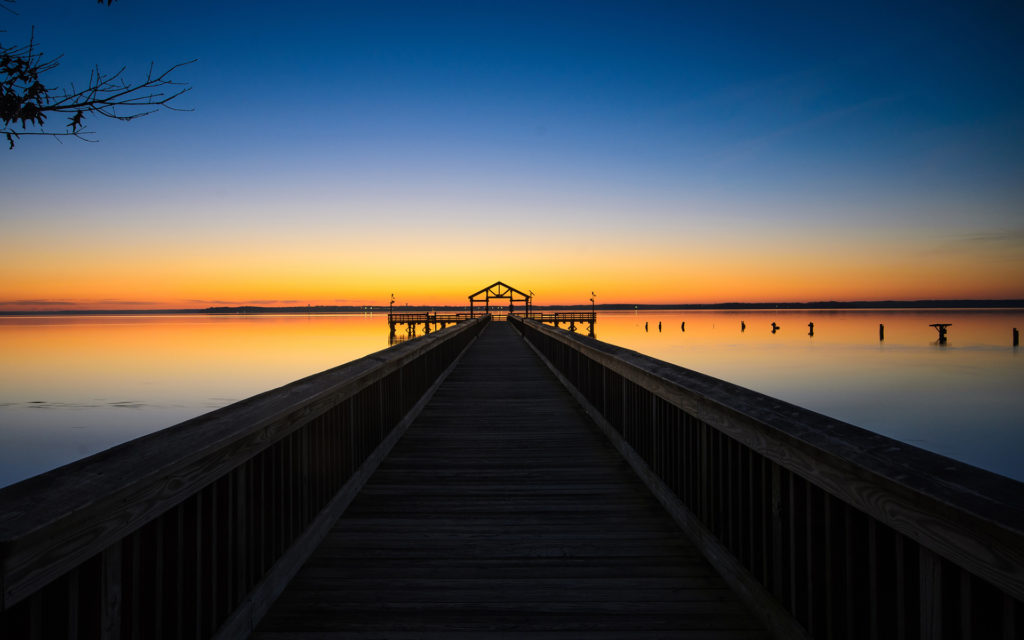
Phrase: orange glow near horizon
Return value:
(246, 354)
(622, 265)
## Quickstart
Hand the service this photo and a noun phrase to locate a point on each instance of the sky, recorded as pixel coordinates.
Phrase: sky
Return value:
(651, 152)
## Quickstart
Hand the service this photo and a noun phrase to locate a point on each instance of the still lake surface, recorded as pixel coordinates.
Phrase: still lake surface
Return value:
(71, 386)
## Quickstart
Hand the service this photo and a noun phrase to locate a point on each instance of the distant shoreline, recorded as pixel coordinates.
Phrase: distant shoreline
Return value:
(722, 306)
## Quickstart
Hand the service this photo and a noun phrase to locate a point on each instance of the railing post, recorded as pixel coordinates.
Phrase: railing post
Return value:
(110, 592)
(240, 545)
(305, 513)
(777, 551)
(930, 567)
(72, 602)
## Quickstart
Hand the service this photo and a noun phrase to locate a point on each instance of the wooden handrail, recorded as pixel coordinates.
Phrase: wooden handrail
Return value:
(226, 492)
(783, 490)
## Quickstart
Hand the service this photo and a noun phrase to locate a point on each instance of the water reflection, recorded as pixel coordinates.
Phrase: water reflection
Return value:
(397, 338)
(962, 400)
(72, 386)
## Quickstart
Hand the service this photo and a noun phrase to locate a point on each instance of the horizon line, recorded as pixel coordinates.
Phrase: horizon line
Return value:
(957, 303)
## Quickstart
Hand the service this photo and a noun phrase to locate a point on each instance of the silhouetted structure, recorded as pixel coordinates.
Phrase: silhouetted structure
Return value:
(499, 291)
(941, 327)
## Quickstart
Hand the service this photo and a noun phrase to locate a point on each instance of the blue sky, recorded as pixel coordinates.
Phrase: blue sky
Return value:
(823, 130)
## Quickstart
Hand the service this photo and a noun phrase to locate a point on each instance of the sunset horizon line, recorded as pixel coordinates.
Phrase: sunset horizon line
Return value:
(303, 307)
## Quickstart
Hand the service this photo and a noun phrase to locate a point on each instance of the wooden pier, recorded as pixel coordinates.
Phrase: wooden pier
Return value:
(503, 512)
(505, 480)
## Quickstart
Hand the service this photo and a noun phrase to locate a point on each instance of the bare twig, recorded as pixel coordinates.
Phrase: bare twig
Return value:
(26, 102)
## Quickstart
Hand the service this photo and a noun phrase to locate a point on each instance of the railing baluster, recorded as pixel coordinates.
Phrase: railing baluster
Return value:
(797, 571)
(110, 617)
(931, 581)
(753, 522)
(777, 552)
(72, 605)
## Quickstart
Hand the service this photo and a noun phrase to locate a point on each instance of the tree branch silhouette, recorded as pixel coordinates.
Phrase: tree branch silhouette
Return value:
(26, 102)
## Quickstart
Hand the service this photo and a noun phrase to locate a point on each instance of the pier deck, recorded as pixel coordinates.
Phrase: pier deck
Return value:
(503, 512)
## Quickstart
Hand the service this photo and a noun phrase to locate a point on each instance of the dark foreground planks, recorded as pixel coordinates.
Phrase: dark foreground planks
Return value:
(503, 513)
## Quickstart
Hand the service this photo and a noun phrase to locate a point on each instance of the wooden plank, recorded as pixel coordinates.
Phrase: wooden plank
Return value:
(502, 510)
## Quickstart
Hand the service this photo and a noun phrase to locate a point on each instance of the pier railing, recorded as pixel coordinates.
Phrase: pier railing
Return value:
(192, 531)
(559, 316)
(826, 529)
(424, 317)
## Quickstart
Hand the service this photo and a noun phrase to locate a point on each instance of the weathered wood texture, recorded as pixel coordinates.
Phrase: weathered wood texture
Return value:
(166, 535)
(854, 534)
(503, 512)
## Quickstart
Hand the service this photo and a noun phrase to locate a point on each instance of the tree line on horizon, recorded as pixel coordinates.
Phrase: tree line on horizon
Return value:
(725, 306)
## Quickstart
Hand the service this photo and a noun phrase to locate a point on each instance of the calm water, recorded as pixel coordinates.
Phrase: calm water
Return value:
(72, 386)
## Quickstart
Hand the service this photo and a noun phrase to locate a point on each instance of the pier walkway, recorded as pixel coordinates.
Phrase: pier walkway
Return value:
(504, 511)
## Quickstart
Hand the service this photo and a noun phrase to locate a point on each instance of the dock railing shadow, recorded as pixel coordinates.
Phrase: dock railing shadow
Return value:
(827, 530)
(192, 531)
